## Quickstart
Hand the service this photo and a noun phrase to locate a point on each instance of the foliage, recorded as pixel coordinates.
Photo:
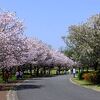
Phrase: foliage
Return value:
(86, 76)
(17, 50)
(80, 75)
(12, 42)
(93, 77)
(84, 40)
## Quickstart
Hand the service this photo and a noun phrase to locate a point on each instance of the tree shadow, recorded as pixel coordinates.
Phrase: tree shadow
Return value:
(28, 86)
(12, 84)
(28, 81)
(7, 87)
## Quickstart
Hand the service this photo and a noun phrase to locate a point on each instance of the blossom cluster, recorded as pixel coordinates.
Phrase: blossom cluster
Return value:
(16, 49)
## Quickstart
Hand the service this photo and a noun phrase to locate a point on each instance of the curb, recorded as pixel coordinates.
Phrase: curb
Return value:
(12, 94)
(74, 82)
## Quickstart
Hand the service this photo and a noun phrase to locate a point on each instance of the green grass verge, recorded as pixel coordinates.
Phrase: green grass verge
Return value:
(53, 72)
(86, 84)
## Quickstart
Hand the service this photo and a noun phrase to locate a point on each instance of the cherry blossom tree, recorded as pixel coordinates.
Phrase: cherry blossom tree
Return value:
(16, 49)
(12, 41)
(42, 56)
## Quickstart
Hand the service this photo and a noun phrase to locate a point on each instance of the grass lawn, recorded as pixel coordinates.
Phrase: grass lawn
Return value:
(86, 84)
(13, 78)
(53, 72)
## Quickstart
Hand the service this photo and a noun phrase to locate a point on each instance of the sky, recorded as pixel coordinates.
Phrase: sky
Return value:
(48, 20)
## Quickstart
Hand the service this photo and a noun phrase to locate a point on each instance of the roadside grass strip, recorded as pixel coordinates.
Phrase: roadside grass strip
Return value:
(85, 84)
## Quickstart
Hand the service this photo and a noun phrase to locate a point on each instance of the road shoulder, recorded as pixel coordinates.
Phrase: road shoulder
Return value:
(88, 87)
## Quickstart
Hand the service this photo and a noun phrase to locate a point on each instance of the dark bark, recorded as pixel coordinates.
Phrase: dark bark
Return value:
(30, 69)
(37, 72)
(59, 68)
(3, 73)
(79, 69)
(44, 69)
(95, 66)
(49, 70)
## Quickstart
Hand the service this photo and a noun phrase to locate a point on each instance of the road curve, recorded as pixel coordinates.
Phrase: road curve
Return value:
(54, 88)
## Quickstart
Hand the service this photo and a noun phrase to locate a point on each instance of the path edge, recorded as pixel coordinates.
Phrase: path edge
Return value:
(82, 86)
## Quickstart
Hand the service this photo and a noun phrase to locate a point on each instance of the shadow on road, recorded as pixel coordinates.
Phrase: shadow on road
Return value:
(6, 87)
(29, 86)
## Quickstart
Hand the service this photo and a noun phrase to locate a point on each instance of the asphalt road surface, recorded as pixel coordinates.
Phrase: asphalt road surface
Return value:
(55, 88)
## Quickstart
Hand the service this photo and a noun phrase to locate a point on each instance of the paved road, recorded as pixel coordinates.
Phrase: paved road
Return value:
(55, 88)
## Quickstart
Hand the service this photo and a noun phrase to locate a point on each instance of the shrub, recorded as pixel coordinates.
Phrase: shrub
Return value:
(97, 78)
(80, 74)
(93, 77)
(86, 76)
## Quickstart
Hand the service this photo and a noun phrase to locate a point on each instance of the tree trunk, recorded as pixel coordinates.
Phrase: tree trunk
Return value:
(49, 70)
(37, 72)
(3, 73)
(59, 69)
(79, 69)
(44, 69)
(30, 69)
(95, 66)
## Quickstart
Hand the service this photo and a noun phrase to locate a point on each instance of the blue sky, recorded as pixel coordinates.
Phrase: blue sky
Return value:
(48, 20)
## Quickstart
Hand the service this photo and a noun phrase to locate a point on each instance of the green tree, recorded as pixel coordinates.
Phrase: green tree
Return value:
(84, 40)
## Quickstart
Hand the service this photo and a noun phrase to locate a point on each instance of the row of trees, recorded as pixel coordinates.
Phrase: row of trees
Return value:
(83, 42)
(16, 49)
